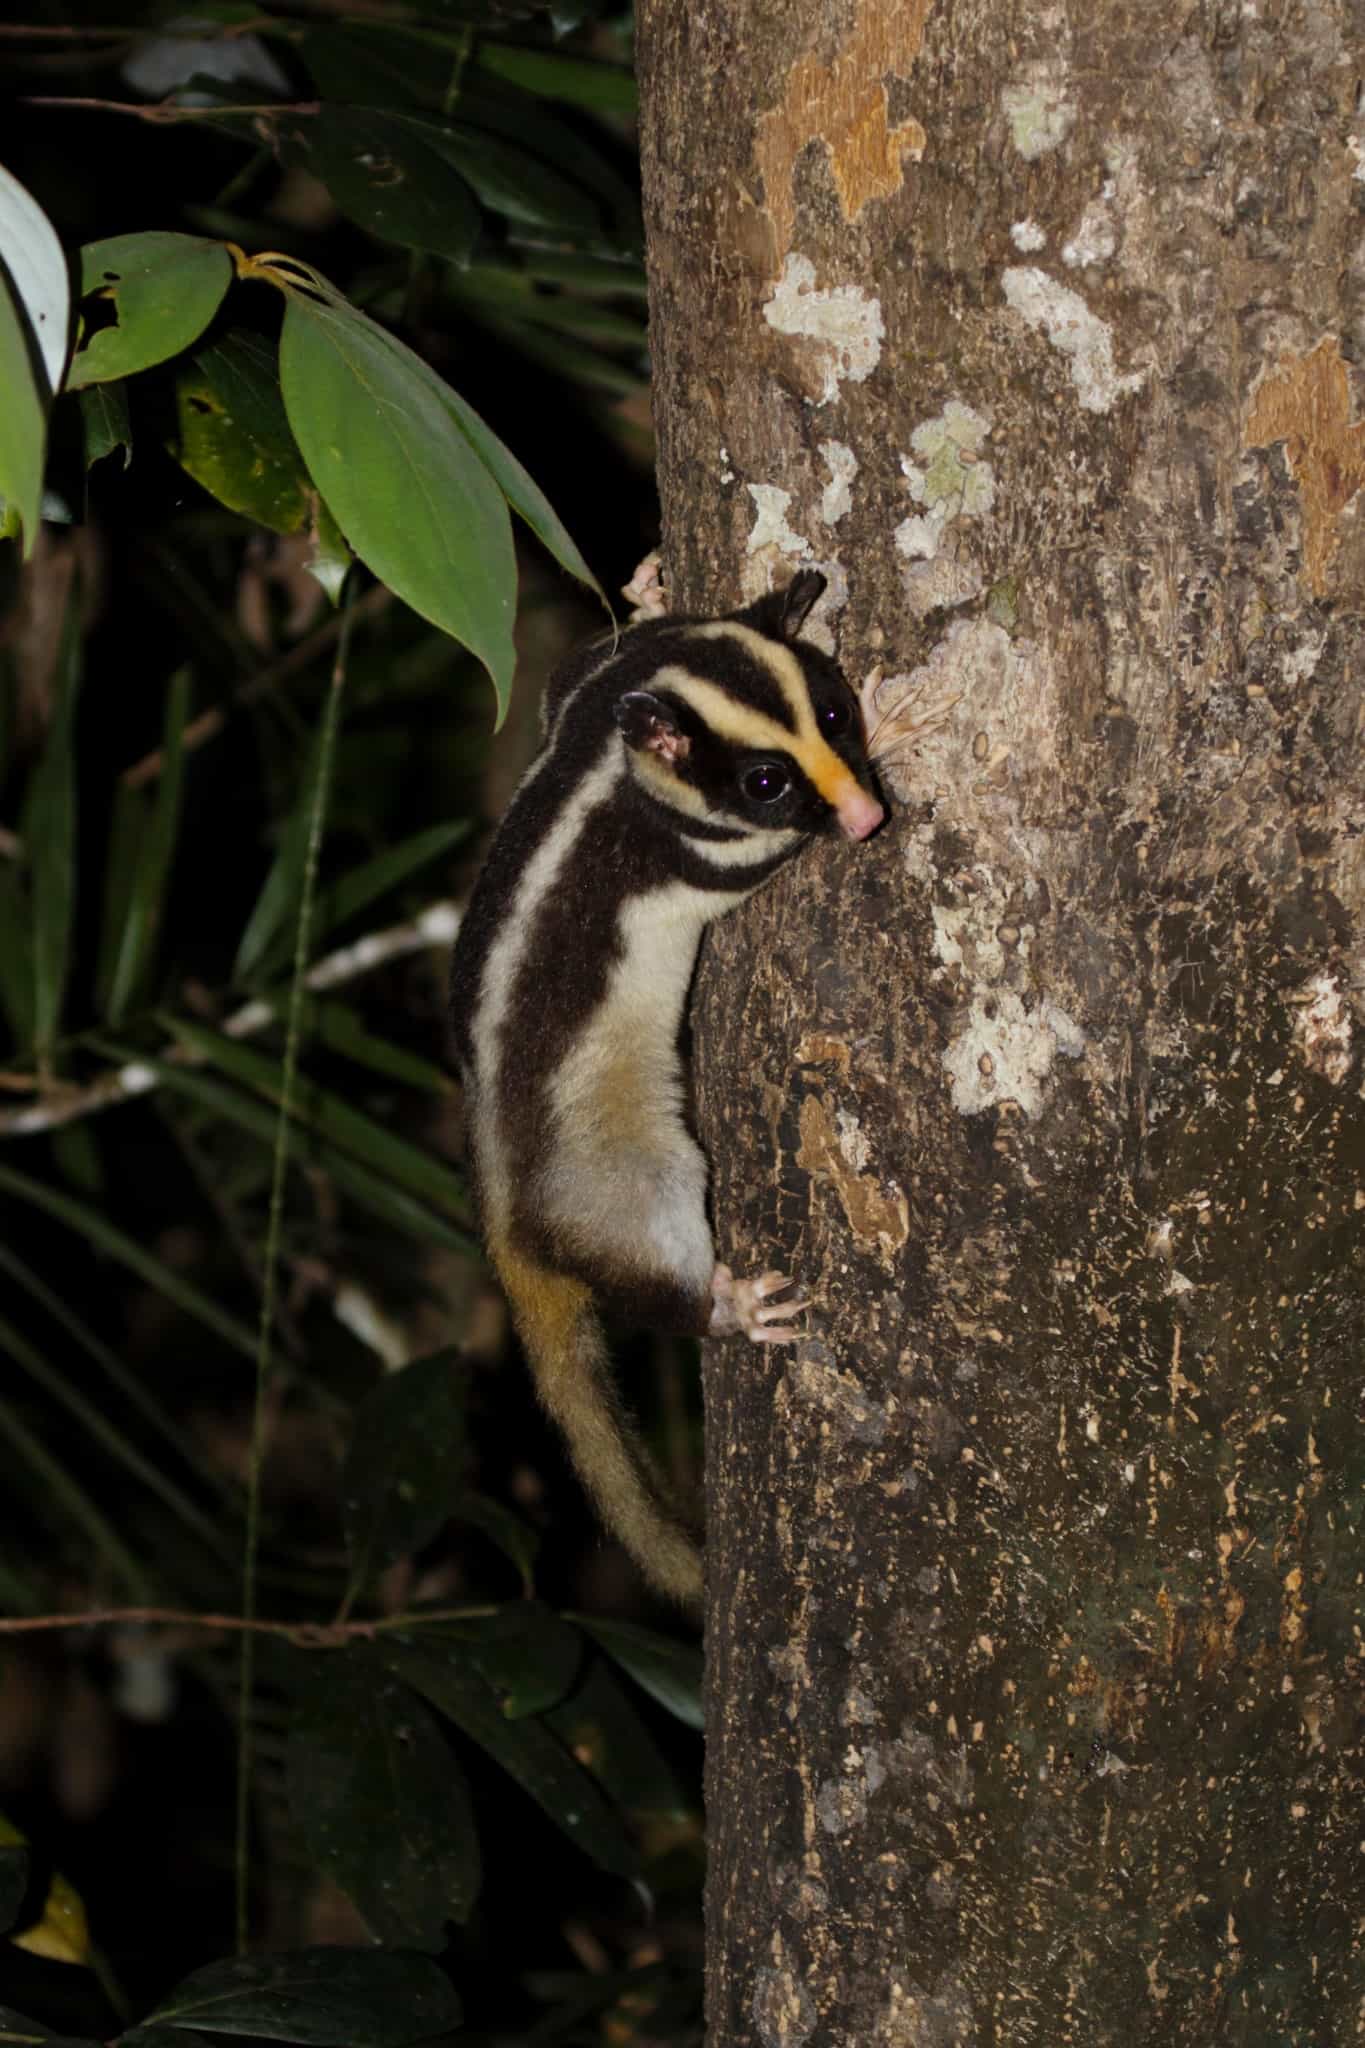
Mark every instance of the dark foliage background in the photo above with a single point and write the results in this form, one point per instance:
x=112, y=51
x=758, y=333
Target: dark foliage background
x=482, y=1825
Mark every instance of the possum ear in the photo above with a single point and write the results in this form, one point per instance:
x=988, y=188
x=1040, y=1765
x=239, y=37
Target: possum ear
x=650, y=726
x=782, y=613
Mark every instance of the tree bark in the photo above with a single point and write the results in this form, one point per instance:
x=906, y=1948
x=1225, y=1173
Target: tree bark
x=1034, y=1649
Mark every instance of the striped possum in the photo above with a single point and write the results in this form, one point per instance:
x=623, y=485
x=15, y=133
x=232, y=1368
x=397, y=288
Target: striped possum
x=681, y=765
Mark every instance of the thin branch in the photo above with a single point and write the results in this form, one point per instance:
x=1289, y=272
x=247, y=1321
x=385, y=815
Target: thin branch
x=210, y=722
x=310, y=1635
x=432, y=927
x=163, y=112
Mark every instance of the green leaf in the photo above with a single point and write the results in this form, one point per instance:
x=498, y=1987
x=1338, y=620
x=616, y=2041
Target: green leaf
x=331, y=559
x=670, y=1672
x=91, y=1223
x=336, y=1025
x=528, y=1656
x=64, y=1498
x=399, y=476
x=382, y=170
x=146, y=896
x=407, y=1214
x=527, y=1750
x=602, y=88
x=509, y=180
x=23, y=422
x=283, y=886
x=407, y=1459
x=127, y=825
x=16, y=2026
x=379, y=1148
x=382, y=1803
x=232, y=435
x=13, y=1885
x=50, y=835
x=104, y=418
x=518, y=1543
x=98, y=1427
x=604, y=275
x=163, y=290
x=16, y=957
x=328, y=1997
x=601, y=1724
x=374, y=878
x=113, y=1368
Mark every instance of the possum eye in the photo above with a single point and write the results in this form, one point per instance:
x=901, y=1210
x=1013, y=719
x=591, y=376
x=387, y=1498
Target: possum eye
x=835, y=717
x=765, y=782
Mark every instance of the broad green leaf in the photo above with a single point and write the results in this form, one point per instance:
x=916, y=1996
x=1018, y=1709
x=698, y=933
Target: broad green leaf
x=50, y=835
x=669, y=1671
x=16, y=957
x=600, y=1722
x=407, y=1461
x=232, y=435
x=13, y=1884
x=380, y=1149
x=331, y=559
x=283, y=886
x=526, y=1653
x=150, y=876
x=381, y=1197
x=527, y=1750
x=517, y=1541
x=98, y=1427
x=38, y=276
x=374, y=878
x=23, y=425
x=378, y=63
x=511, y=181
x=382, y=170
x=400, y=478
x=17, y=2027
x=603, y=88
x=326, y=1997
x=104, y=418
x=527, y=123
x=163, y=290
x=382, y=1803
x=92, y=1224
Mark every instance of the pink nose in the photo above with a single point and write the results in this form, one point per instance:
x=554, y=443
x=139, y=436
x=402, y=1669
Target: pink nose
x=859, y=814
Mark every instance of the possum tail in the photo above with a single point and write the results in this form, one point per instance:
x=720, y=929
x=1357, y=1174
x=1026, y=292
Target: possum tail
x=564, y=1342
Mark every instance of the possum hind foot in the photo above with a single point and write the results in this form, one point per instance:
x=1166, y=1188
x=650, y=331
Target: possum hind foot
x=748, y=1305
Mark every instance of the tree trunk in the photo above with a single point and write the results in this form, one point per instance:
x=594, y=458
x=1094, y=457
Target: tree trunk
x=1033, y=1631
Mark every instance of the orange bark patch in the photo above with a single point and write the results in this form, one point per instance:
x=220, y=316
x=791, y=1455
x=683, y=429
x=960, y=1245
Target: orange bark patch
x=1306, y=403
x=844, y=105
x=879, y=1221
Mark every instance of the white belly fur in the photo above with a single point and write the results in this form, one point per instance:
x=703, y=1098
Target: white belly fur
x=625, y=1177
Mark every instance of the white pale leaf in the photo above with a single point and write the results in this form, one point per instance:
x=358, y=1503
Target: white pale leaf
x=33, y=257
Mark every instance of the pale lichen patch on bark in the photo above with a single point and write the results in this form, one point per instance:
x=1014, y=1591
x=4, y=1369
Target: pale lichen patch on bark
x=1306, y=403
x=1323, y=1027
x=1075, y=332
x=837, y=497
x=841, y=327
x=770, y=528
x=1038, y=111
x=1006, y=1050
x=1028, y=237
x=843, y=105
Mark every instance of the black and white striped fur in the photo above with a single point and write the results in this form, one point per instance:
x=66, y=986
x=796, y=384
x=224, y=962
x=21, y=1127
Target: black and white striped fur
x=682, y=764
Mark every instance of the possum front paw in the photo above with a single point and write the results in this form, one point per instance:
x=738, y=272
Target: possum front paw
x=748, y=1305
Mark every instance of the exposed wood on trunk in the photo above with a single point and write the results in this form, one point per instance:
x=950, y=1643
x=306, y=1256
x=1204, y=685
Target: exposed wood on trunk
x=1034, y=1632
